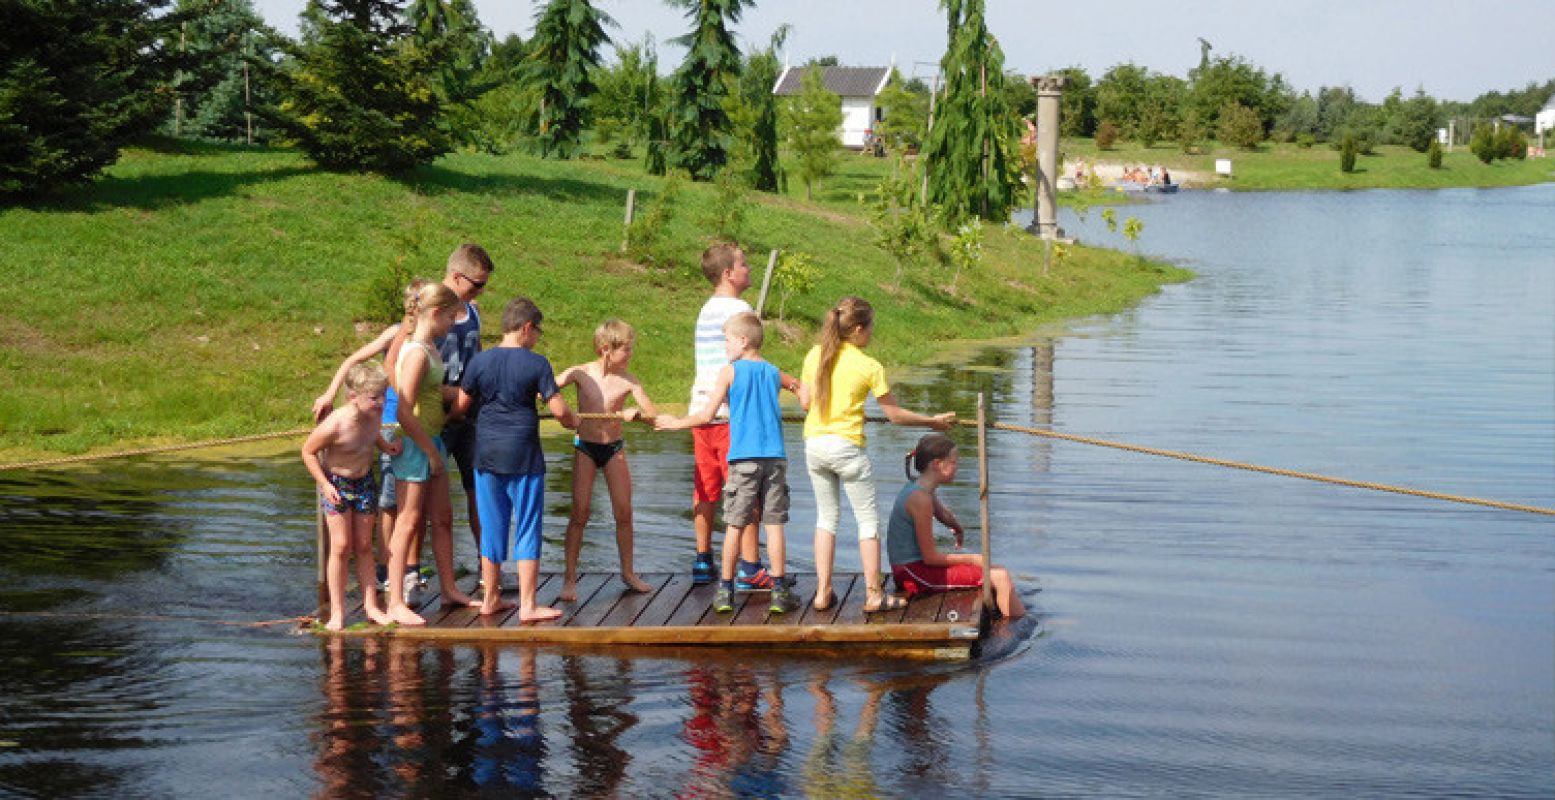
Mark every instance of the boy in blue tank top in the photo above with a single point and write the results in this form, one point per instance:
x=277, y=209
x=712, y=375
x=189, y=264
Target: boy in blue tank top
x=758, y=466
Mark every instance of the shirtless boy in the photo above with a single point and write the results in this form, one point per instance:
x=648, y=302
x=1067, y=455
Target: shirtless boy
x=339, y=454
x=603, y=386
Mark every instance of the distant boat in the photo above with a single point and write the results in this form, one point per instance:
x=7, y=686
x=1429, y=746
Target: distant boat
x=1150, y=188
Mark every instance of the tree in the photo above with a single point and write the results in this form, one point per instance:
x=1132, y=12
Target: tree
x=900, y=222
x=905, y=114
x=756, y=115
x=452, y=32
x=1231, y=79
x=972, y=148
x=1077, y=106
x=563, y=53
x=226, y=74
x=628, y=93
x=1348, y=147
x=1433, y=154
x=1239, y=126
x=77, y=82
x=1106, y=135
x=812, y=119
x=1118, y=96
x=1417, y=121
x=1483, y=144
x=699, y=123
x=1189, y=131
x=359, y=95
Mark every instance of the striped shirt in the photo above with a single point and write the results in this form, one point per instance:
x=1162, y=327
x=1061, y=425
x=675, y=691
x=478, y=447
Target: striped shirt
x=710, y=355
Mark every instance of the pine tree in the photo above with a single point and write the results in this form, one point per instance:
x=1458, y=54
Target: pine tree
x=563, y=54
x=699, y=124
x=452, y=33
x=971, y=150
x=359, y=96
x=225, y=75
x=757, y=114
x=78, y=81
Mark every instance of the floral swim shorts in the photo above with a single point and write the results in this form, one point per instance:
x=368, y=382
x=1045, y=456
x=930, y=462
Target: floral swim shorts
x=356, y=494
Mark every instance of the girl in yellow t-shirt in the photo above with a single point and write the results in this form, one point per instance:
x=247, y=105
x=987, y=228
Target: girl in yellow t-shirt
x=839, y=376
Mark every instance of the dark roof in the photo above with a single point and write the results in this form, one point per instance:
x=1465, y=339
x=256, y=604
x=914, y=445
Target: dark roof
x=843, y=81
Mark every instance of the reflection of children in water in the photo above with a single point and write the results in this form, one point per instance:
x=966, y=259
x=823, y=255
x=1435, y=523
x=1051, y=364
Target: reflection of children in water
x=740, y=751
x=851, y=775
x=509, y=747
x=597, y=709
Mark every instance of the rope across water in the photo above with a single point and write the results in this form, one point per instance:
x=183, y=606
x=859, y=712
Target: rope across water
x=1003, y=426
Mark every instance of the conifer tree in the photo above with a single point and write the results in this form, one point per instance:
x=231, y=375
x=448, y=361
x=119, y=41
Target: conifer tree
x=563, y=54
x=452, y=32
x=77, y=81
x=757, y=115
x=225, y=75
x=359, y=95
x=971, y=150
x=699, y=124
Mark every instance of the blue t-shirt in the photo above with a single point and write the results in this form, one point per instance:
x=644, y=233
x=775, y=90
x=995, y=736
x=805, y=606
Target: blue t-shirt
x=459, y=346
x=504, y=383
x=391, y=407
x=755, y=419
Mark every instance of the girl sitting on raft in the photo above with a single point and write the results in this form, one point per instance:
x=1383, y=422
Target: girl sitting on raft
x=917, y=565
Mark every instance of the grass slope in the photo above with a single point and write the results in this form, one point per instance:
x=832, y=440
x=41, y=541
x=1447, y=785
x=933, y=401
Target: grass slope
x=200, y=291
x=1286, y=166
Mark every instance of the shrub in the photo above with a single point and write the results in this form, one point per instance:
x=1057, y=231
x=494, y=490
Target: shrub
x=796, y=274
x=647, y=229
x=1240, y=126
x=1510, y=144
x=1190, y=131
x=1348, y=147
x=1483, y=145
x=1433, y=154
x=1106, y=135
x=1305, y=140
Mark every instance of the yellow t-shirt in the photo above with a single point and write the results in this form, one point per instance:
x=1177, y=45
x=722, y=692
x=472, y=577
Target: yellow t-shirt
x=854, y=378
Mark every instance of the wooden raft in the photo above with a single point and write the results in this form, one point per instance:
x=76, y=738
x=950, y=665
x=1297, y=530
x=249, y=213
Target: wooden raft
x=677, y=613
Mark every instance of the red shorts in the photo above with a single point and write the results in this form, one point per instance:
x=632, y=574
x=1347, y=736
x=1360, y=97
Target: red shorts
x=710, y=444
x=920, y=578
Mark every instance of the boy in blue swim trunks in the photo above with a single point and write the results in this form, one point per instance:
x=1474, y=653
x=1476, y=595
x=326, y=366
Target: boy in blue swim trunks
x=339, y=455
x=603, y=386
x=503, y=384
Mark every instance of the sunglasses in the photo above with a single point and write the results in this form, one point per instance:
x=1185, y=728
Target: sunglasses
x=473, y=282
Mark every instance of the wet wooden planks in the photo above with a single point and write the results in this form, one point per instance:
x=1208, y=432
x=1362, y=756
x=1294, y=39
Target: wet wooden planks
x=675, y=611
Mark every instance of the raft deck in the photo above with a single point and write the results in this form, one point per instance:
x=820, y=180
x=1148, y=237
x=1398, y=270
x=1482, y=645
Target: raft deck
x=678, y=613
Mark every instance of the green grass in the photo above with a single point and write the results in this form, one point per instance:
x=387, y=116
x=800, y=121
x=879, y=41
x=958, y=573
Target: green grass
x=200, y=291
x=1287, y=166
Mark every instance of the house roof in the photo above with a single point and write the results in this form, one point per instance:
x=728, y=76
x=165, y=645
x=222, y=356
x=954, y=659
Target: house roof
x=842, y=81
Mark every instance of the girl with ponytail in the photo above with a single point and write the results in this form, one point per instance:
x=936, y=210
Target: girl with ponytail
x=917, y=565
x=841, y=377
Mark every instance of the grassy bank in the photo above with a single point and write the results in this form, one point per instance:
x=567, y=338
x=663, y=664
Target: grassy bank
x=203, y=292
x=1287, y=166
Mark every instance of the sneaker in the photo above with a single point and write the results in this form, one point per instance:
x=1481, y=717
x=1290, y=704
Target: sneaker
x=723, y=600
x=759, y=581
x=783, y=600
x=701, y=572
x=412, y=584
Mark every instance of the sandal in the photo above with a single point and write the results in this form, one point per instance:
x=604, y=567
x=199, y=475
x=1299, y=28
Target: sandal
x=831, y=600
x=887, y=602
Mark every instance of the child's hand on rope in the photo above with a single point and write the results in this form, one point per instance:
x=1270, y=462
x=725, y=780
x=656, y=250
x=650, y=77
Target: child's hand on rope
x=943, y=422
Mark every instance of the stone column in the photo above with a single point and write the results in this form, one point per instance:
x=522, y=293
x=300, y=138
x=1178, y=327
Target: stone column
x=1049, y=89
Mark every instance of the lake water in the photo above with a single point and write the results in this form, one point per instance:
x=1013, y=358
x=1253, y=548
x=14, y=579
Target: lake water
x=1200, y=630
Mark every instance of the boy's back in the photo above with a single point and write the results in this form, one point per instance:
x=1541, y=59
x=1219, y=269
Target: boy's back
x=755, y=418
x=504, y=382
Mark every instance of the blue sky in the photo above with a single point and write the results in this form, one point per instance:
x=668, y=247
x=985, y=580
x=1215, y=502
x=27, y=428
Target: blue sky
x=1454, y=50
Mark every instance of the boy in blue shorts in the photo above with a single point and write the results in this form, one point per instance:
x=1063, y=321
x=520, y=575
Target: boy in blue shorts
x=502, y=384
x=757, y=487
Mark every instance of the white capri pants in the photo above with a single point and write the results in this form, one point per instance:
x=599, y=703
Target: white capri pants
x=834, y=462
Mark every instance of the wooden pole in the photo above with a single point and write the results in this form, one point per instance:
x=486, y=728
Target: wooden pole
x=923, y=193
x=766, y=282
x=322, y=534
x=631, y=210
x=982, y=499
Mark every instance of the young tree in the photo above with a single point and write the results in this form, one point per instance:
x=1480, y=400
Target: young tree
x=905, y=115
x=1239, y=126
x=1433, y=154
x=1119, y=94
x=358, y=94
x=699, y=123
x=972, y=149
x=78, y=81
x=756, y=114
x=563, y=53
x=812, y=119
x=1348, y=147
x=1189, y=131
x=901, y=223
x=1417, y=121
x=1077, y=107
x=226, y=74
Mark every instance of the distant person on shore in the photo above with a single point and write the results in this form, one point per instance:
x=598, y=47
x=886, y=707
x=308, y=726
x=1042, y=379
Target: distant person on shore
x=724, y=267
x=838, y=376
x=917, y=565
x=502, y=384
x=388, y=505
x=757, y=464
x=603, y=386
x=339, y=456
x=419, y=468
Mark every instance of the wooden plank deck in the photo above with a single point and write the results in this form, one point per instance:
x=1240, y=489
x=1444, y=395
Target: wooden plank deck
x=677, y=613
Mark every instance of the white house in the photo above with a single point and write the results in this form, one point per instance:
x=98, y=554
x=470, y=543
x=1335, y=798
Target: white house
x=857, y=86
x=1545, y=120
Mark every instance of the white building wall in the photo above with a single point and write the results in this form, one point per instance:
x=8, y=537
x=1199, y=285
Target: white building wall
x=857, y=117
x=1544, y=121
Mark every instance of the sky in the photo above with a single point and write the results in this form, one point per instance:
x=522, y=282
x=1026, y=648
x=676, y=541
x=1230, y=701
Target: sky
x=1454, y=50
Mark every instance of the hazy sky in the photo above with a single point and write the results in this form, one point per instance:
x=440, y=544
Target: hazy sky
x=1455, y=50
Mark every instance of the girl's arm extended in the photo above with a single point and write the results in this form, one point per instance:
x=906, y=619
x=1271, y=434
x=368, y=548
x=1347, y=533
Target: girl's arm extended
x=921, y=509
x=901, y=416
x=415, y=372
x=326, y=401
x=320, y=438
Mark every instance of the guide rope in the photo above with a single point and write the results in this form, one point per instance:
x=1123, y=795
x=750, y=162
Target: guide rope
x=1003, y=426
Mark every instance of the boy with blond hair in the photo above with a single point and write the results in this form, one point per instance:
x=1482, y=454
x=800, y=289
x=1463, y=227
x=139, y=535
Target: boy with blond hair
x=603, y=386
x=757, y=486
x=339, y=455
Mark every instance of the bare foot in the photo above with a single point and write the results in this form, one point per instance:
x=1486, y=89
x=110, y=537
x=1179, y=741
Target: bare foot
x=404, y=616
x=635, y=583
x=568, y=593
x=539, y=614
x=378, y=617
x=458, y=599
x=336, y=622
x=498, y=605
